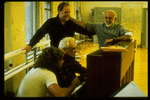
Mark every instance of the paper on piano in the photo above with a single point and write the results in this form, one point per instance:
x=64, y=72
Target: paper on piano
x=114, y=49
x=77, y=88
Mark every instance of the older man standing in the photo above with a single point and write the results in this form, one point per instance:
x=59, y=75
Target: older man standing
x=109, y=31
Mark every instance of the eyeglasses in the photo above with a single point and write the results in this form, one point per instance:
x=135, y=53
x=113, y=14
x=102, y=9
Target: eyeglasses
x=72, y=49
x=108, y=18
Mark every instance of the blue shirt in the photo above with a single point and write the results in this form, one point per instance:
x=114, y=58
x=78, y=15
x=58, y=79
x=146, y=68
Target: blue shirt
x=103, y=32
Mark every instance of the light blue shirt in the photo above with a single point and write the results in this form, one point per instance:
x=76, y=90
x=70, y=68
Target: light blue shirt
x=103, y=32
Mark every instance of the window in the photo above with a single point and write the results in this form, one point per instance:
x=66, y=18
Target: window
x=29, y=13
x=32, y=17
x=46, y=15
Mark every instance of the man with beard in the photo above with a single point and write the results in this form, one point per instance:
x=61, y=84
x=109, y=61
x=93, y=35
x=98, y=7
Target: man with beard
x=107, y=32
x=57, y=28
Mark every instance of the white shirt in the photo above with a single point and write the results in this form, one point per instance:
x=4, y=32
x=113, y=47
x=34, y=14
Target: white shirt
x=36, y=82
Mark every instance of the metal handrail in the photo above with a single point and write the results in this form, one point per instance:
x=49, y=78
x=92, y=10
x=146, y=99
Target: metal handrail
x=20, y=51
x=22, y=66
x=17, y=71
x=13, y=54
x=17, y=67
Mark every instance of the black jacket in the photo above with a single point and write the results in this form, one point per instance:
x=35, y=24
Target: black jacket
x=57, y=31
x=68, y=70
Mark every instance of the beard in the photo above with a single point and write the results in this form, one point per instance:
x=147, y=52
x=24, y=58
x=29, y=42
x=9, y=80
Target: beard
x=108, y=24
x=64, y=18
x=67, y=18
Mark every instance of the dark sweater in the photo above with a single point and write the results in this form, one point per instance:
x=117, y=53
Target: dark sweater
x=68, y=70
x=57, y=31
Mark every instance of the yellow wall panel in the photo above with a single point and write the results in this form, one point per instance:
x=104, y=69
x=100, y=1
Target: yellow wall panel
x=15, y=36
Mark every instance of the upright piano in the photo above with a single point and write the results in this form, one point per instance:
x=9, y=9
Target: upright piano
x=108, y=70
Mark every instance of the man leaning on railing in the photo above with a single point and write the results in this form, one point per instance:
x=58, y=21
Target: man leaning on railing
x=57, y=28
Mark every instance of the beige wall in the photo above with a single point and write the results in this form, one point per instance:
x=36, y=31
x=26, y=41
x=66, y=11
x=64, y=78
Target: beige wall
x=86, y=7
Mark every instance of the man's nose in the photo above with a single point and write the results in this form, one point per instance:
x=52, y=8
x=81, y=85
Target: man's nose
x=68, y=14
x=107, y=19
x=75, y=50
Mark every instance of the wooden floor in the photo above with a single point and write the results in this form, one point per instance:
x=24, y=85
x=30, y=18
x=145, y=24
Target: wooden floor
x=140, y=67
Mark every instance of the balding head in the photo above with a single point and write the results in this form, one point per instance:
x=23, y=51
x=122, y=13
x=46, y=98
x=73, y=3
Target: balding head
x=110, y=18
x=112, y=13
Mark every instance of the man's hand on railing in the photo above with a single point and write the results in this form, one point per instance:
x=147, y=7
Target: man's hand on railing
x=27, y=48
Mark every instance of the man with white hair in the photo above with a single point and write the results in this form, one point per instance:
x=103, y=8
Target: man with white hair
x=70, y=65
x=107, y=32
x=68, y=45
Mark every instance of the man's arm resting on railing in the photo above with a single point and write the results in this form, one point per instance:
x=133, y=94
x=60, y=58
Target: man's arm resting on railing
x=121, y=38
x=57, y=91
x=35, y=39
x=27, y=48
x=40, y=33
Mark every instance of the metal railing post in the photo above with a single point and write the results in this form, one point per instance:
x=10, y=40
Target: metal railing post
x=34, y=54
x=26, y=61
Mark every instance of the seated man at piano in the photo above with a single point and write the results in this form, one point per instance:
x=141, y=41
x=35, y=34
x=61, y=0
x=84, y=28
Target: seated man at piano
x=41, y=80
x=107, y=32
x=70, y=65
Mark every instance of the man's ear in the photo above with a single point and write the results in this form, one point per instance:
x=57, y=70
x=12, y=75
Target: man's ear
x=59, y=12
x=115, y=18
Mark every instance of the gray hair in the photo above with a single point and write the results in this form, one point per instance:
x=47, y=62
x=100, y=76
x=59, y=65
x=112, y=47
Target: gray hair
x=65, y=42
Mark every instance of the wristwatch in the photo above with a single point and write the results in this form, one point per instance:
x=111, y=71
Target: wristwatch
x=114, y=39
